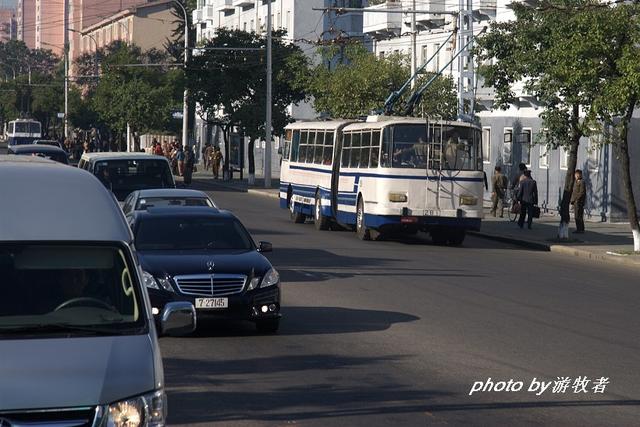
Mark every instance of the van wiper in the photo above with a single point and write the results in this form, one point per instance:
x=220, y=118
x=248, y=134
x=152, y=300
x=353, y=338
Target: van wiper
x=61, y=328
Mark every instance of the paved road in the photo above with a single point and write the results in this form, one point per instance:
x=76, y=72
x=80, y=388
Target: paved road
x=396, y=333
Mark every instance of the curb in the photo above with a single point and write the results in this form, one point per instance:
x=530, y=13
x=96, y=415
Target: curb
x=264, y=193
x=559, y=249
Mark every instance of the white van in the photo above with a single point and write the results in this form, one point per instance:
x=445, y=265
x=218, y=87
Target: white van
x=124, y=173
x=78, y=343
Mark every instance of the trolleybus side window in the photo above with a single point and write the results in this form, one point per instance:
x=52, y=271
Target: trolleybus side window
x=295, y=146
x=375, y=149
x=303, y=146
x=328, y=148
x=287, y=144
x=346, y=149
x=366, y=150
x=386, y=147
x=318, y=150
x=355, y=149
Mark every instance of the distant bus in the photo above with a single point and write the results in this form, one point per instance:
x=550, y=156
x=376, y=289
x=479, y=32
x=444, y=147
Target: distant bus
x=22, y=131
x=386, y=175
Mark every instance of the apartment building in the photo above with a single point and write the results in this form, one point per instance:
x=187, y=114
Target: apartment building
x=8, y=28
x=26, y=22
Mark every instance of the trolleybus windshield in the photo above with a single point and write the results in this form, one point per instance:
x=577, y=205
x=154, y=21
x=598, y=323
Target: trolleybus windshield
x=446, y=147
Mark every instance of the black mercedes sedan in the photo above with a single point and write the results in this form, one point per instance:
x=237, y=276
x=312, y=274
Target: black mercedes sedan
x=205, y=256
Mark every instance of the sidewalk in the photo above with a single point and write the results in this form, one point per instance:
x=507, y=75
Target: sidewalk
x=203, y=180
x=602, y=241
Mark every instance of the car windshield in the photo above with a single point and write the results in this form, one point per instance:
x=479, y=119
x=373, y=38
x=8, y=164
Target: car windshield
x=47, y=288
x=195, y=233
x=149, y=202
x=125, y=176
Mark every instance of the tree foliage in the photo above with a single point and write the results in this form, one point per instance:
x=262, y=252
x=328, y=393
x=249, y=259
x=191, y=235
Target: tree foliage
x=363, y=83
x=140, y=96
x=552, y=51
x=230, y=85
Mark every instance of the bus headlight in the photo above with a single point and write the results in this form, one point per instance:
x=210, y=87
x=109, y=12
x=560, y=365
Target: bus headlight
x=398, y=197
x=468, y=200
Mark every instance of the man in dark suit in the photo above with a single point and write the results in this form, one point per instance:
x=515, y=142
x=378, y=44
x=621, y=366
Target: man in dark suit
x=528, y=197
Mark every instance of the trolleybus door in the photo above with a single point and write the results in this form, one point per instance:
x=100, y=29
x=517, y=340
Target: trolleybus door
x=335, y=173
x=434, y=165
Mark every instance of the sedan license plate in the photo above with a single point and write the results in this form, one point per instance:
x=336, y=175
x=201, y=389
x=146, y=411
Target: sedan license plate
x=212, y=303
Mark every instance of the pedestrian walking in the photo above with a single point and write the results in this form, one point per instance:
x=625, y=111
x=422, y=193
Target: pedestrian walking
x=217, y=160
x=516, y=180
x=189, y=164
x=527, y=195
x=207, y=156
x=180, y=160
x=578, y=197
x=499, y=184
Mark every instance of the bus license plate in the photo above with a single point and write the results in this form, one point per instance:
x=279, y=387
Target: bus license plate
x=212, y=303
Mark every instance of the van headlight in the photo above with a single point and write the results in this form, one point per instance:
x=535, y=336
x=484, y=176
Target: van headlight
x=271, y=278
x=153, y=283
x=468, y=200
x=146, y=410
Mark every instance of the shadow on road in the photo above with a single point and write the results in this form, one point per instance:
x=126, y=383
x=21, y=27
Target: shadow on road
x=310, y=321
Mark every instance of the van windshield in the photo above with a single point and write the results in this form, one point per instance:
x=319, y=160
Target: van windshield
x=127, y=175
x=67, y=290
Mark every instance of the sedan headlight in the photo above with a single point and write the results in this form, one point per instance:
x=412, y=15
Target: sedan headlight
x=146, y=410
x=153, y=283
x=271, y=278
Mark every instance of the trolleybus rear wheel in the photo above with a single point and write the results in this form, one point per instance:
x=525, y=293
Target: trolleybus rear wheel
x=320, y=221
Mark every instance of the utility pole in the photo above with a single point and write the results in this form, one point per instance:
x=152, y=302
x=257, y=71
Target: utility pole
x=414, y=42
x=267, y=144
x=66, y=69
x=466, y=72
x=185, y=97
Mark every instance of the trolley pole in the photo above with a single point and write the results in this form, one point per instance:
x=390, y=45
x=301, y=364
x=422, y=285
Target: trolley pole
x=267, y=143
x=414, y=42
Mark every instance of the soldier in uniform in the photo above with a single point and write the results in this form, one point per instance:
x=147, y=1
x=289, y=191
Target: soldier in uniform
x=578, y=197
x=499, y=184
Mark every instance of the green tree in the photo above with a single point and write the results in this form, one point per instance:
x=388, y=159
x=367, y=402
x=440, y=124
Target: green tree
x=550, y=50
x=230, y=85
x=618, y=94
x=140, y=96
x=363, y=83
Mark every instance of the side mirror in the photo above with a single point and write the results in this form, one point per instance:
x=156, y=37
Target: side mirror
x=178, y=318
x=265, y=247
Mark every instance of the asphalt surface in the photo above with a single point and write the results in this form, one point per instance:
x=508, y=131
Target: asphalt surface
x=397, y=332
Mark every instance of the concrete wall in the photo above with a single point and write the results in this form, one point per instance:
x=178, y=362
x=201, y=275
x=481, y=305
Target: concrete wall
x=152, y=26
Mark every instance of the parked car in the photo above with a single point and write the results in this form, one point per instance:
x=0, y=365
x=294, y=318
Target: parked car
x=206, y=257
x=78, y=342
x=46, y=151
x=123, y=173
x=166, y=197
x=51, y=142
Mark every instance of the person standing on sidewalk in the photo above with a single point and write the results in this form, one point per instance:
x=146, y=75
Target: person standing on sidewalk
x=217, y=160
x=499, y=184
x=578, y=197
x=189, y=163
x=516, y=181
x=528, y=197
x=180, y=160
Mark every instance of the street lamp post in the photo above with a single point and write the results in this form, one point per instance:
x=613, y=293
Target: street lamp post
x=267, y=142
x=185, y=100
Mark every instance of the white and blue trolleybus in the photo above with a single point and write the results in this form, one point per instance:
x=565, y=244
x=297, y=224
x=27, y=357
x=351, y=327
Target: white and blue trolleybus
x=384, y=176
x=22, y=131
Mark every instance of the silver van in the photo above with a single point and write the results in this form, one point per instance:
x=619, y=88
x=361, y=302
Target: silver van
x=78, y=345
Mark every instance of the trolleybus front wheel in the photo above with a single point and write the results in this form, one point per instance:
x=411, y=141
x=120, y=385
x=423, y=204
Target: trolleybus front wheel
x=320, y=221
x=456, y=237
x=363, y=232
x=439, y=236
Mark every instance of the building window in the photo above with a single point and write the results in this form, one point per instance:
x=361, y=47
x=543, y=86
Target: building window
x=486, y=144
x=524, y=141
x=382, y=54
x=543, y=162
x=289, y=24
x=564, y=158
x=507, y=146
x=436, y=59
x=244, y=27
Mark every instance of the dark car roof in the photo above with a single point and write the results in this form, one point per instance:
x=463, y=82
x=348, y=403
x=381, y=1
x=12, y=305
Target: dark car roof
x=179, y=212
x=35, y=148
